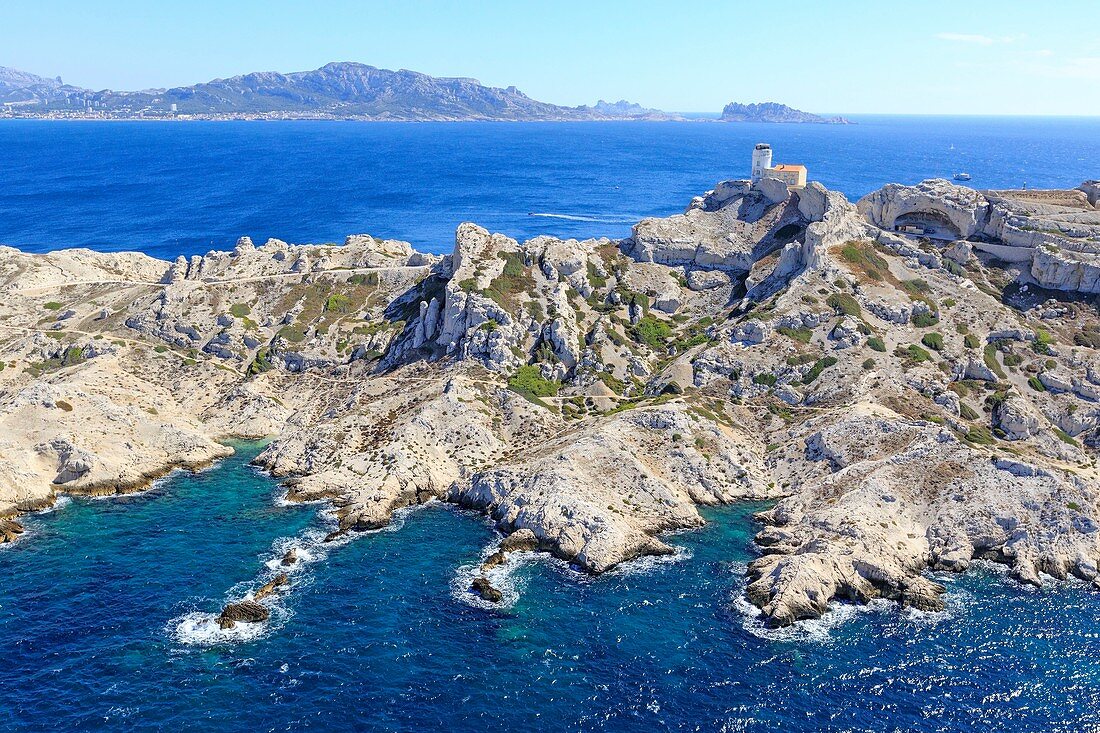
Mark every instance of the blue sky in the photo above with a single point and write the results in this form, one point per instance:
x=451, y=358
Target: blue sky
x=963, y=56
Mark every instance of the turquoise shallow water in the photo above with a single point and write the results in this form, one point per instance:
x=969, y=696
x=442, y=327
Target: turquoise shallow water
x=378, y=634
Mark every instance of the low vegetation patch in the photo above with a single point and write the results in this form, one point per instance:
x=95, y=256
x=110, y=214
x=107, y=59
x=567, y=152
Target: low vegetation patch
x=1088, y=337
x=865, y=260
x=913, y=354
x=819, y=366
x=925, y=320
x=802, y=334
x=650, y=331
x=529, y=382
x=989, y=355
x=933, y=341
x=843, y=303
x=766, y=379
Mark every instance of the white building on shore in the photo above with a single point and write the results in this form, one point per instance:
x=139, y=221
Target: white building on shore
x=794, y=175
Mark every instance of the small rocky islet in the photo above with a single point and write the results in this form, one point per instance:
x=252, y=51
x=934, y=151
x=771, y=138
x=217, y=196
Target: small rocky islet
x=913, y=379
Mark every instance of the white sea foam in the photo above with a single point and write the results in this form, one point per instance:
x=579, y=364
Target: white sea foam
x=502, y=577
x=202, y=629
x=61, y=502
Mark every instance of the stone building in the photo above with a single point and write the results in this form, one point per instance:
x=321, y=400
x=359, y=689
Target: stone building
x=792, y=174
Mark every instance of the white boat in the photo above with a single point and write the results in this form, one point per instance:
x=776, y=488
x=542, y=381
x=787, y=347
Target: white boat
x=962, y=176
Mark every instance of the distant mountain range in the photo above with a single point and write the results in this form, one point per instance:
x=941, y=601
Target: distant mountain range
x=774, y=112
x=335, y=91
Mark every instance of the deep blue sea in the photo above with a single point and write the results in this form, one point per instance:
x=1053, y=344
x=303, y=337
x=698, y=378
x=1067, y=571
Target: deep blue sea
x=186, y=188
x=98, y=602
x=103, y=603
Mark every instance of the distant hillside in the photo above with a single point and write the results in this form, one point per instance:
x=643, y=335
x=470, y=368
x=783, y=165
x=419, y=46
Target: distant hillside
x=774, y=112
x=19, y=87
x=341, y=90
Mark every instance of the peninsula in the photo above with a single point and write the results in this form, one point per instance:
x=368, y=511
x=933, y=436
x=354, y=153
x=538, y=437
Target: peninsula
x=913, y=379
x=341, y=90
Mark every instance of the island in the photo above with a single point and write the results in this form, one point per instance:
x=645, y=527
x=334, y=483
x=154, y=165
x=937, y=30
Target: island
x=911, y=381
x=775, y=113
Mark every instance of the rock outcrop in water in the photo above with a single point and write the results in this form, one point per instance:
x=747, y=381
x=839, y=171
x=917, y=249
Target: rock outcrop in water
x=914, y=381
x=248, y=612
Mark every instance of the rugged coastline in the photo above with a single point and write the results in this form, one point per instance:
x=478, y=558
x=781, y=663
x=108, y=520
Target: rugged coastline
x=913, y=378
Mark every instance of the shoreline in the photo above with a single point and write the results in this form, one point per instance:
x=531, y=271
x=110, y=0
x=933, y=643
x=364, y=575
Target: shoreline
x=596, y=395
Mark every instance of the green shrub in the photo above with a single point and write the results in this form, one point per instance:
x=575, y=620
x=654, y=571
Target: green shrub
x=979, y=435
x=337, y=303
x=971, y=341
x=843, y=303
x=595, y=279
x=513, y=263
x=1089, y=337
x=800, y=359
x=876, y=344
x=1066, y=438
x=160, y=348
x=802, y=335
x=239, y=310
x=967, y=412
x=261, y=363
x=925, y=320
x=1043, y=341
x=989, y=355
x=916, y=286
x=764, y=378
x=913, y=353
x=863, y=254
x=528, y=381
x=868, y=364
x=1012, y=360
x=933, y=341
x=819, y=366
x=53, y=305
x=650, y=331
x=954, y=268
x=1035, y=384
x=293, y=333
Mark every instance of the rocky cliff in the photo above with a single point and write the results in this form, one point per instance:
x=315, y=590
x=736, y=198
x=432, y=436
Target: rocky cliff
x=911, y=400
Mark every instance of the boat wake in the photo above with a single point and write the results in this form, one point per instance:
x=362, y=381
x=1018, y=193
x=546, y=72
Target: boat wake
x=622, y=219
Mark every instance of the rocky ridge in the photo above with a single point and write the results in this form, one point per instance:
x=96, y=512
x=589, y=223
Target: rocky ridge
x=910, y=379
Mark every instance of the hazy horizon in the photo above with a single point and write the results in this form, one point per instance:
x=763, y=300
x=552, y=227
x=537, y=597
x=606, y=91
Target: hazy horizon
x=854, y=57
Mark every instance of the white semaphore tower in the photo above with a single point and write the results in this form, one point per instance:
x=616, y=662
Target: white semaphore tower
x=761, y=160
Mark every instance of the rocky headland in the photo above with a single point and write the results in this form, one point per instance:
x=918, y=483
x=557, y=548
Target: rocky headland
x=775, y=113
x=913, y=379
